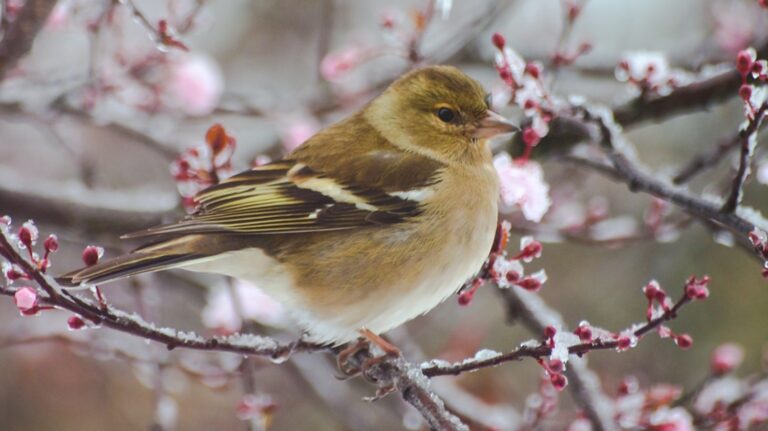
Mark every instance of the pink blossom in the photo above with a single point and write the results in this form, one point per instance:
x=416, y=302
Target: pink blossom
x=336, y=64
x=297, y=130
x=737, y=24
x=523, y=185
x=675, y=419
x=195, y=84
x=650, y=71
x=252, y=303
x=59, y=16
x=25, y=299
x=726, y=357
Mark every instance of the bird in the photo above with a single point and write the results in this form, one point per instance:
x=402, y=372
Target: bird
x=371, y=222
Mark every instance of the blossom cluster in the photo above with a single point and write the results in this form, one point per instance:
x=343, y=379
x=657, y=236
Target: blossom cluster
x=204, y=165
x=126, y=76
x=723, y=402
x=759, y=240
x=506, y=271
x=752, y=70
x=650, y=73
x=30, y=300
x=524, y=88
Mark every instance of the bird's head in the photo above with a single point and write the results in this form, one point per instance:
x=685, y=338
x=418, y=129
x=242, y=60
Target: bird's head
x=440, y=112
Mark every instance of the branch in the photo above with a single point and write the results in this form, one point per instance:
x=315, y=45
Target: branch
x=520, y=308
x=102, y=314
x=748, y=140
x=389, y=373
x=18, y=35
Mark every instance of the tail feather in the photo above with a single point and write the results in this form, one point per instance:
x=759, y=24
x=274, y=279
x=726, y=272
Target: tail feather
x=121, y=267
x=154, y=257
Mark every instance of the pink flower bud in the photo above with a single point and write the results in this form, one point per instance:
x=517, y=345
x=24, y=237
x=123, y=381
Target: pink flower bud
x=550, y=331
x=745, y=91
x=92, y=254
x=51, y=244
x=556, y=366
x=529, y=250
x=530, y=137
x=498, y=40
x=629, y=385
x=624, y=342
x=559, y=381
x=744, y=61
x=12, y=272
x=530, y=283
x=584, y=332
x=684, y=341
x=726, y=358
x=26, y=300
x=652, y=289
x=75, y=322
x=28, y=234
x=697, y=288
x=533, y=69
x=466, y=295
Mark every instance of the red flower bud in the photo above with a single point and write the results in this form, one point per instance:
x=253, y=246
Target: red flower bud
x=745, y=91
x=549, y=331
x=559, y=381
x=684, y=341
x=498, y=40
x=92, y=254
x=744, y=61
x=75, y=322
x=556, y=366
x=51, y=244
x=533, y=69
x=530, y=283
x=28, y=234
x=530, y=137
x=584, y=332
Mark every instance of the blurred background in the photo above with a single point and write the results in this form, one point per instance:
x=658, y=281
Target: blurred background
x=92, y=118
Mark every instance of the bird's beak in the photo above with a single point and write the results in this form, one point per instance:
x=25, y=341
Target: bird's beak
x=493, y=124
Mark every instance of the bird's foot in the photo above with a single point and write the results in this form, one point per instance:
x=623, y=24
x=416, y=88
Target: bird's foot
x=357, y=358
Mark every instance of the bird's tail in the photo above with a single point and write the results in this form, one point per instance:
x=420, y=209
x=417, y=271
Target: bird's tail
x=153, y=257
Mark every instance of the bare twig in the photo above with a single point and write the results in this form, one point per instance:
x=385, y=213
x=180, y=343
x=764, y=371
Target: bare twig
x=748, y=140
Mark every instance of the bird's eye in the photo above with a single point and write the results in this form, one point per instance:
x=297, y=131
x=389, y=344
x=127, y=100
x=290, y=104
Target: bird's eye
x=446, y=115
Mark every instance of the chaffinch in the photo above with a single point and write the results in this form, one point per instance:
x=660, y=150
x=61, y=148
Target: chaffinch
x=371, y=222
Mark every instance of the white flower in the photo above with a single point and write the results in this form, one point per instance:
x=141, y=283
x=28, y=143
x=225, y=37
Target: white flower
x=523, y=185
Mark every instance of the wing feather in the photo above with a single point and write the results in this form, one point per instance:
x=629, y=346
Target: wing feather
x=288, y=197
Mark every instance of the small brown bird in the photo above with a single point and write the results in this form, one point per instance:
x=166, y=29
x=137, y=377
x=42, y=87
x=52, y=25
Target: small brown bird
x=370, y=223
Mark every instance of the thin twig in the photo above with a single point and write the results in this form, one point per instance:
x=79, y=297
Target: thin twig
x=748, y=140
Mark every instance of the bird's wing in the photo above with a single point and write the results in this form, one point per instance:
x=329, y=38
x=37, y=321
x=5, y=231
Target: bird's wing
x=289, y=196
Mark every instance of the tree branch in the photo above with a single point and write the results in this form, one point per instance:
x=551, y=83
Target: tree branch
x=748, y=140
x=18, y=35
